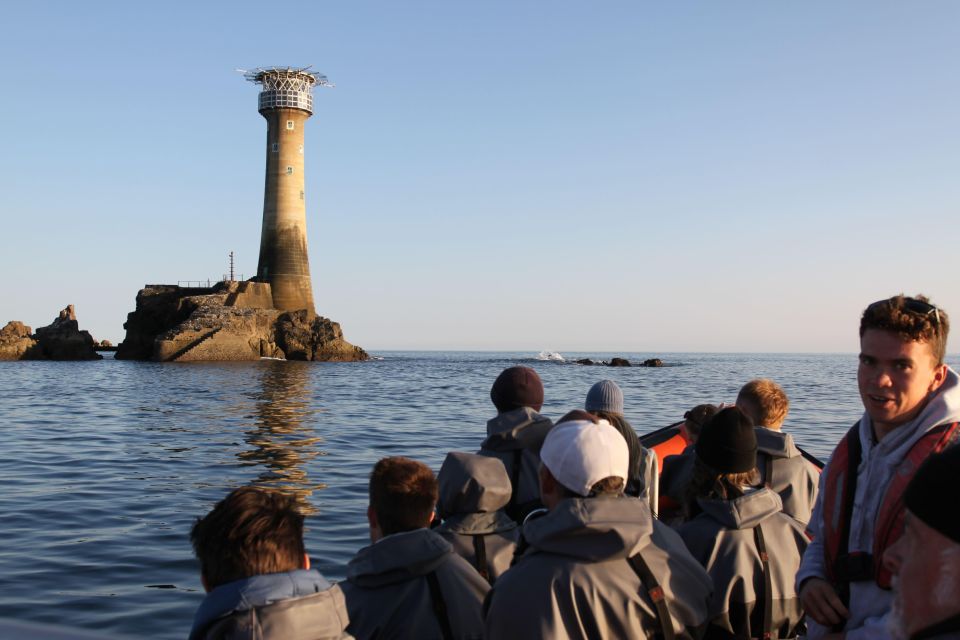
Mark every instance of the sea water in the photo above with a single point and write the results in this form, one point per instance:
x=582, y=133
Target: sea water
x=107, y=464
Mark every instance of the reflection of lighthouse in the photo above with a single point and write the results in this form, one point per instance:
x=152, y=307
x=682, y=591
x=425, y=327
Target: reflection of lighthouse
x=283, y=440
x=286, y=102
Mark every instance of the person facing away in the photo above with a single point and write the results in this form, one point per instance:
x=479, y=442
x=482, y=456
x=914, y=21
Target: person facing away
x=514, y=436
x=925, y=561
x=473, y=491
x=781, y=465
x=605, y=400
x=409, y=583
x=595, y=564
x=257, y=574
x=739, y=534
x=678, y=469
x=911, y=403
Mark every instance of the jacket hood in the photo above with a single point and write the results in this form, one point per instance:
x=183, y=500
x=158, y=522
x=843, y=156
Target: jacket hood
x=471, y=483
x=592, y=529
x=744, y=512
x=398, y=557
x=472, y=524
x=776, y=443
x=521, y=428
x=262, y=590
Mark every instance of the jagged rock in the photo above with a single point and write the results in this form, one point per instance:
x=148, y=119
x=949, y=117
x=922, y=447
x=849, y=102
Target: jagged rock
x=619, y=362
x=231, y=321
x=16, y=342
x=586, y=361
x=60, y=340
x=106, y=343
x=302, y=337
x=63, y=340
x=652, y=362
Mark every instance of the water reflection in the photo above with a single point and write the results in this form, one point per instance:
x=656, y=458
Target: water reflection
x=283, y=439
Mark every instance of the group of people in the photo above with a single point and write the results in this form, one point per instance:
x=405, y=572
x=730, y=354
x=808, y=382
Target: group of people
x=573, y=529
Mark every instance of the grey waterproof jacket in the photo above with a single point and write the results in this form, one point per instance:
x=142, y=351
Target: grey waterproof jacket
x=296, y=605
x=473, y=491
x=723, y=537
x=412, y=585
x=784, y=469
x=575, y=580
x=515, y=438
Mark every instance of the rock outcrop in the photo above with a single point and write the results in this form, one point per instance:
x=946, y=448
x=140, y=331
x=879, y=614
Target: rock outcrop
x=619, y=362
x=301, y=337
x=17, y=342
x=652, y=362
x=230, y=321
x=60, y=340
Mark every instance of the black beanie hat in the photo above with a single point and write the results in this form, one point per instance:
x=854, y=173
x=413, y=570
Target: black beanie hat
x=517, y=387
x=925, y=496
x=728, y=442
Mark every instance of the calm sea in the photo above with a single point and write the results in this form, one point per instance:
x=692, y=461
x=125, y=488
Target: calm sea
x=106, y=464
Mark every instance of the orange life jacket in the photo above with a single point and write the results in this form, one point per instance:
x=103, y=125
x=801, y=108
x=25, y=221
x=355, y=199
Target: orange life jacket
x=844, y=567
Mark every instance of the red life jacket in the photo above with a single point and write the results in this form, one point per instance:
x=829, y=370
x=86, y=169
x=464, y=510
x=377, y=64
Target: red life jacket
x=838, y=494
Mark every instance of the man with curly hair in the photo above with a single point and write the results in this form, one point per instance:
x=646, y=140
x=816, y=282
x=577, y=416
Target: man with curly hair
x=911, y=403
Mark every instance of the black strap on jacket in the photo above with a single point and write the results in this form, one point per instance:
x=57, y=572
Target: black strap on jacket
x=515, y=475
x=768, y=480
x=850, y=567
x=480, y=552
x=655, y=591
x=765, y=624
x=439, y=606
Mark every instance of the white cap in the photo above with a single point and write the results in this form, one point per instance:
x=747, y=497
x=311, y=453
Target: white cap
x=580, y=453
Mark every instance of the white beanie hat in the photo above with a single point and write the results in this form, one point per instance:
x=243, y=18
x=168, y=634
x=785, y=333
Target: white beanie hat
x=580, y=453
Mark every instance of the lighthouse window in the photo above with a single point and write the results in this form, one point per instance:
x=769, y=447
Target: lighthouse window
x=289, y=125
x=301, y=195
x=275, y=147
x=289, y=171
x=301, y=149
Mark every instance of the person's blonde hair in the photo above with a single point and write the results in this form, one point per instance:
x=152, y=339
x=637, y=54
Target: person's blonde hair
x=765, y=402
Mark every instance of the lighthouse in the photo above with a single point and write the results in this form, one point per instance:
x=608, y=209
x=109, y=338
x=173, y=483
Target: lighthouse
x=285, y=101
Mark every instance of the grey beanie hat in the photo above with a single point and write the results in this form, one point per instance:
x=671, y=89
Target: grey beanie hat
x=605, y=396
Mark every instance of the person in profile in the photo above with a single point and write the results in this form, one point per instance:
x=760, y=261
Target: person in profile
x=739, y=534
x=925, y=561
x=605, y=400
x=515, y=435
x=595, y=564
x=678, y=469
x=911, y=401
x=257, y=574
x=473, y=492
x=781, y=465
x=409, y=583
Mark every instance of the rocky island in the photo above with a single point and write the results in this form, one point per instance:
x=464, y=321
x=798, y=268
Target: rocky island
x=228, y=321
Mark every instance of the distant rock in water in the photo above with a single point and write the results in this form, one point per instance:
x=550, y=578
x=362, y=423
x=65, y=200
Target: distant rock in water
x=619, y=362
x=586, y=361
x=60, y=340
x=229, y=321
x=652, y=362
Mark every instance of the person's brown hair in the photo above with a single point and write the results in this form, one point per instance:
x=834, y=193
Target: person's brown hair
x=913, y=319
x=706, y=482
x=403, y=493
x=609, y=486
x=765, y=402
x=251, y=532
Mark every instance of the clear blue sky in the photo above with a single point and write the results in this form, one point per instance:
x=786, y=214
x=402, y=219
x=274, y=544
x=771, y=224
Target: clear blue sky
x=617, y=176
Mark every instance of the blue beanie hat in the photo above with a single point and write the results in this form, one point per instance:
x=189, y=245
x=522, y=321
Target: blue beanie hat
x=605, y=396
